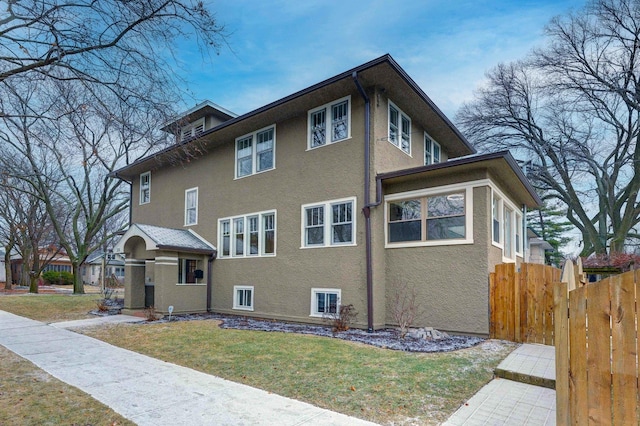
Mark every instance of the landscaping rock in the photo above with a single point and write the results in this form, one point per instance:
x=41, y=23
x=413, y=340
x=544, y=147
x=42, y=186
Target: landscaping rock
x=427, y=333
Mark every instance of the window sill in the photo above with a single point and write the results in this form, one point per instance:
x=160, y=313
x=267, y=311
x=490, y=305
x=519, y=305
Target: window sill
x=192, y=284
x=401, y=150
x=242, y=308
x=328, y=246
x=254, y=174
x=309, y=148
x=262, y=256
x=428, y=243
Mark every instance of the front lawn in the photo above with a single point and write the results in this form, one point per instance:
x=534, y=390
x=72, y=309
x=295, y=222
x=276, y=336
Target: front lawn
x=381, y=385
x=50, y=307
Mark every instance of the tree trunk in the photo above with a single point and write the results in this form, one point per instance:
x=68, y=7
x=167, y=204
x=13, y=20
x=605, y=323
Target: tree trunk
x=7, y=268
x=78, y=285
x=33, y=283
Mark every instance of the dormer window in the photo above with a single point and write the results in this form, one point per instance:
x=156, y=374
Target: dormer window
x=192, y=130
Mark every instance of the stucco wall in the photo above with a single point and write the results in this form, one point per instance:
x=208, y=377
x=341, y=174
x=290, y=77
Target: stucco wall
x=451, y=281
x=283, y=283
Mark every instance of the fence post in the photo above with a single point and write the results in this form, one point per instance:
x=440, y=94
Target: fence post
x=561, y=337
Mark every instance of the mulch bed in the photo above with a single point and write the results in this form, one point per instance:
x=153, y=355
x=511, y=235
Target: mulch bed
x=387, y=338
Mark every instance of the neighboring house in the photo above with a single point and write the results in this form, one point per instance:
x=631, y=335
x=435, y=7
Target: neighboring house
x=335, y=194
x=57, y=260
x=537, y=247
x=92, y=267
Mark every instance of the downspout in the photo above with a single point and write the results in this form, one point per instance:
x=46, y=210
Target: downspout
x=366, y=210
x=210, y=278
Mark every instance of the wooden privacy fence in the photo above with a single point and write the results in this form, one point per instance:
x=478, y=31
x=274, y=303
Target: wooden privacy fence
x=521, y=303
x=596, y=352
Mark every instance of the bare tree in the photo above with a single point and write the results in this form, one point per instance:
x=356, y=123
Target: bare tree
x=572, y=109
x=84, y=88
x=27, y=231
x=403, y=306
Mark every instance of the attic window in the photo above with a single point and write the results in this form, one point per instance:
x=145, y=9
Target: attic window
x=192, y=130
x=399, y=128
x=431, y=151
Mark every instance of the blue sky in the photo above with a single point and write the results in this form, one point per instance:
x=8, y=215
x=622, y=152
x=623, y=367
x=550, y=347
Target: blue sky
x=278, y=47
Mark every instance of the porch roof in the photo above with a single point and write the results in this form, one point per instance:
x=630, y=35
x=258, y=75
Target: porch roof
x=160, y=238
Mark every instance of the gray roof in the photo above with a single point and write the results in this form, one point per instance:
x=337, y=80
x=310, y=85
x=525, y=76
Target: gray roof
x=174, y=238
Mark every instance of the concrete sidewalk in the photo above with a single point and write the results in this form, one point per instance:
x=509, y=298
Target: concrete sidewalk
x=510, y=402
x=149, y=391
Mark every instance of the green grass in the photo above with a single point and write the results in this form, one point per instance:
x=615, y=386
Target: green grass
x=381, y=385
x=50, y=307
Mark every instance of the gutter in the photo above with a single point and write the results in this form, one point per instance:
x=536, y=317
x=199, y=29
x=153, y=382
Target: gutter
x=366, y=210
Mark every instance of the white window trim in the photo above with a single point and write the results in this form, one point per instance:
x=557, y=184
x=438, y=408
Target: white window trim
x=314, y=291
x=516, y=220
x=433, y=144
x=327, y=108
x=245, y=252
x=235, y=297
x=467, y=187
x=254, y=153
x=400, y=115
x=519, y=226
x=186, y=216
x=190, y=129
x=141, y=202
x=327, y=225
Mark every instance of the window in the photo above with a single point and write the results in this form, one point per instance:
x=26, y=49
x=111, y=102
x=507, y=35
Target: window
x=255, y=152
x=329, y=123
x=444, y=214
x=496, y=208
x=430, y=217
x=509, y=235
x=399, y=128
x=330, y=223
x=431, y=151
x=243, y=297
x=145, y=188
x=324, y=301
x=508, y=227
x=253, y=235
x=519, y=228
x=191, y=206
x=187, y=271
x=192, y=130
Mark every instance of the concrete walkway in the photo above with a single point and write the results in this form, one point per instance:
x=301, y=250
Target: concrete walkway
x=506, y=400
x=149, y=391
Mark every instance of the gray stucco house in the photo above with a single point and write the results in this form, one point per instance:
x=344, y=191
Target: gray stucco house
x=334, y=194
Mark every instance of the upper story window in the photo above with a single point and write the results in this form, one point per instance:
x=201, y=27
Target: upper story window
x=248, y=235
x=330, y=123
x=145, y=188
x=399, y=128
x=431, y=151
x=255, y=152
x=192, y=130
x=331, y=223
x=191, y=206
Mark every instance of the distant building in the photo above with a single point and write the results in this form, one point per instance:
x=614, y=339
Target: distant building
x=91, y=269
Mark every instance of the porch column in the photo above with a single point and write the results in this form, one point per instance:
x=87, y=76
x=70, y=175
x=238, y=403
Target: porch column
x=134, y=283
